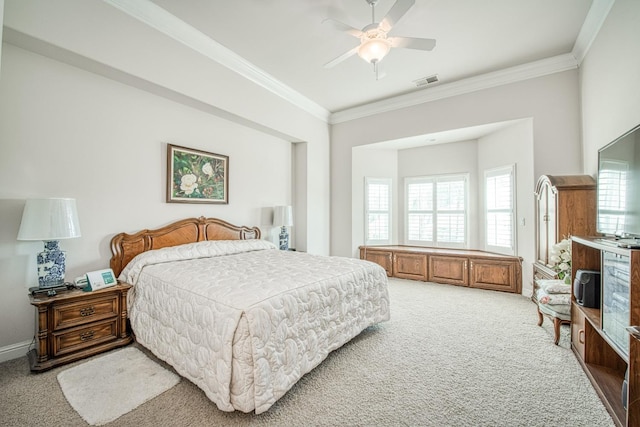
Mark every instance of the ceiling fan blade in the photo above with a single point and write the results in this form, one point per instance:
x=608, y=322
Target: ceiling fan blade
x=396, y=12
x=413, y=43
x=341, y=58
x=341, y=26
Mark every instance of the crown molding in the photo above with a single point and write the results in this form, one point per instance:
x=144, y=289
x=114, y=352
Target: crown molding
x=590, y=28
x=593, y=22
x=519, y=73
x=156, y=17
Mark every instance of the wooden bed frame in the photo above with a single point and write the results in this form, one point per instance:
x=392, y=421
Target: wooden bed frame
x=125, y=247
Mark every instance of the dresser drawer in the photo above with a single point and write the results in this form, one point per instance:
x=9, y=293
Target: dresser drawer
x=85, y=311
x=382, y=258
x=449, y=269
x=410, y=266
x=499, y=275
x=75, y=339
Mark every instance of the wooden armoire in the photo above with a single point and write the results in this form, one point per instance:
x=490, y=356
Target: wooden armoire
x=565, y=206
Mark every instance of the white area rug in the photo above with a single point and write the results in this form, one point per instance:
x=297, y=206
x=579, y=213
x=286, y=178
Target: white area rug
x=108, y=387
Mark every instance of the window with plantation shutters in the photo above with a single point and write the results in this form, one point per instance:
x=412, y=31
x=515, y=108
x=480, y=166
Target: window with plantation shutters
x=377, y=211
x=612, y=196
x=499, y=186
x=436, y=210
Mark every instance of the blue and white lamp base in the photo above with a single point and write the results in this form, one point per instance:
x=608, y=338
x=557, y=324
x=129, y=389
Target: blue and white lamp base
x=51, y=265
x=284, y=239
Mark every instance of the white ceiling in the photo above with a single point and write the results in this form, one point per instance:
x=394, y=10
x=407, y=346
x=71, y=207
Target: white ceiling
x=453, y=135
x=287, y=40
x=282, y=46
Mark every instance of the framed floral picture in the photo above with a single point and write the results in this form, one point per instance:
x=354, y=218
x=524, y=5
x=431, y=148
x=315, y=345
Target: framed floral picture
x=195, y=176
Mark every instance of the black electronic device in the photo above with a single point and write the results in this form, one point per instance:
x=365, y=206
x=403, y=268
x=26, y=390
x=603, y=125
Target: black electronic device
x=586, y=288
x=618, y=207
x=52, y=290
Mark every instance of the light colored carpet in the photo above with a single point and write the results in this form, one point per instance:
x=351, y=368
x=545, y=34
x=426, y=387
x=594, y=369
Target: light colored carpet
x=107, y=387
x=449, y=356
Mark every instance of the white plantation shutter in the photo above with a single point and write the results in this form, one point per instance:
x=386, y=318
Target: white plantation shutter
x=612, y=196
x=420, y=210
x=436, y=210
x=451, y=212
x=500, y=209
x=377, y=210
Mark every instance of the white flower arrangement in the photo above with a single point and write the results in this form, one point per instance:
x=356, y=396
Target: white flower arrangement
x=560, y=259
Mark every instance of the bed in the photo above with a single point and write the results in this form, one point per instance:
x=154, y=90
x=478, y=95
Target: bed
x=239, y=318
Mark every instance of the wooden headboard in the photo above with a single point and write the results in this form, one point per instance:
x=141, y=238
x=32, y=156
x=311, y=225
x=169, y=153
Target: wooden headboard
x=125, y=247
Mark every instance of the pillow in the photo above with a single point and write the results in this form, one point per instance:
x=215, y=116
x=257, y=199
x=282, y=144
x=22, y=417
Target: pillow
x=554, y=286
x=553, y=299
x=204, y=249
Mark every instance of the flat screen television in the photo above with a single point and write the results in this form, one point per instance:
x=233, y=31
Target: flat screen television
x=618, y=200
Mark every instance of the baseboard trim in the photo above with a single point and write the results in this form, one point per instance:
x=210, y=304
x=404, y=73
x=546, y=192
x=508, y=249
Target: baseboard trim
x=14, y=351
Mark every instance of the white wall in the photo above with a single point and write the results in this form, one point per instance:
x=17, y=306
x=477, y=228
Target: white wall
x=609, y=81
x=514, y=145
x=69, y=133
x=110, y=138
x=1, y=27
x=81, y=32
x=300, y=188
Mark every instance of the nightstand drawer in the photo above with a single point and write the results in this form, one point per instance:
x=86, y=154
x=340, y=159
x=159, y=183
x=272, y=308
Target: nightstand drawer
x=85, y=311
x=78, y=338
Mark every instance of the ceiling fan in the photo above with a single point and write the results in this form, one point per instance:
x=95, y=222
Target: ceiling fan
x=375, y=41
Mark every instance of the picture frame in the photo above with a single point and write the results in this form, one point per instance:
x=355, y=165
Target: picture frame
x=196, y=176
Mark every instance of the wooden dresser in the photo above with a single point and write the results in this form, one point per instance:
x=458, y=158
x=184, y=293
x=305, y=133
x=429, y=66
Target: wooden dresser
x=75, y=324
x=475, y=269
x=565, y=206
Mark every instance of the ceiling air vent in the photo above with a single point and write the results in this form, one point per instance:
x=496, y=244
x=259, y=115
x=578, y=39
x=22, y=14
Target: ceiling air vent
x=426, y=80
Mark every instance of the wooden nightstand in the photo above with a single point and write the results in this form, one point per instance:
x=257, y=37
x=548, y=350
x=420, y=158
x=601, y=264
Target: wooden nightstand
x=75, y=324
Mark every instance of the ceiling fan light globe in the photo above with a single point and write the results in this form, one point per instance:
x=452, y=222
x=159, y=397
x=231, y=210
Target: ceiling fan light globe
x=374, y=50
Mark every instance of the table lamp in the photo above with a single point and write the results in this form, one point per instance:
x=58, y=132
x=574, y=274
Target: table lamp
x=50, y=220
x=283, y=217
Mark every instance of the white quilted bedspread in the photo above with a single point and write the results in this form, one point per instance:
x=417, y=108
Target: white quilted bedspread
x=245, y=321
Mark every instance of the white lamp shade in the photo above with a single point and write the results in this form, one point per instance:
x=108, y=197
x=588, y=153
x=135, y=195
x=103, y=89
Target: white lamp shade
x=49, y=219
x=283, y=216
x=374, y=50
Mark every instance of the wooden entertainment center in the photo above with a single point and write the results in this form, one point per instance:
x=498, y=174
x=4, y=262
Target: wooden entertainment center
x=602, y=346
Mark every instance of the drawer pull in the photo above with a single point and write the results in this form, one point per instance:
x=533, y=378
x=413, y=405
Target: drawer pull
x=88, y=311
x=86, y=336
x=581, y=336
